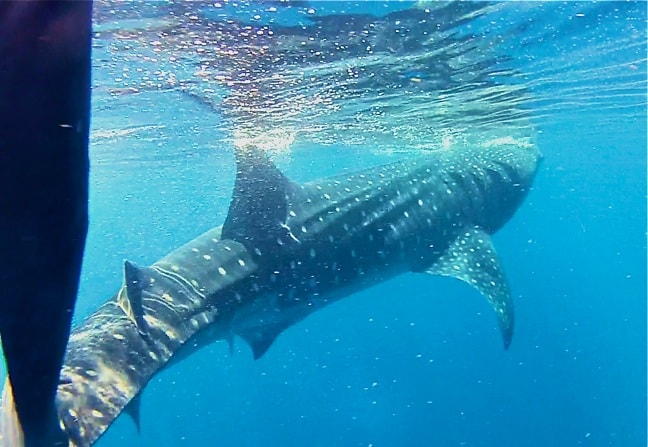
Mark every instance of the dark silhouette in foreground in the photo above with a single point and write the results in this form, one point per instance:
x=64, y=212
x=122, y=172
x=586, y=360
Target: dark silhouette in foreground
x=45, y=114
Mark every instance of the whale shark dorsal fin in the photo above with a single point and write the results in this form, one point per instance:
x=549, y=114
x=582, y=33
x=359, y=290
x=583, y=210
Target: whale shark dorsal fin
x=472, y=259
x=133, y=409
x=136, y=279
x=259, y=203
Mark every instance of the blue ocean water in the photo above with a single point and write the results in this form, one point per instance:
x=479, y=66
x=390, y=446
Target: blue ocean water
x=415, y=361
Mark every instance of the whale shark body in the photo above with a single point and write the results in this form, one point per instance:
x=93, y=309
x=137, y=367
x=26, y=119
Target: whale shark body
x=286, y=250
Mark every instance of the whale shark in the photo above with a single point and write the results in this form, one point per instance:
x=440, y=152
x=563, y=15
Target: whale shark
x=286, y=250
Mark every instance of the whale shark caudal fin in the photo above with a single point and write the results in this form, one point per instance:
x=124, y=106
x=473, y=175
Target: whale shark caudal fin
x=472, y=259
x=259, y=201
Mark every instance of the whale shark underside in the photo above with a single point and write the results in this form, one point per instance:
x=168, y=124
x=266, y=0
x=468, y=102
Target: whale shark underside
x=286, y=250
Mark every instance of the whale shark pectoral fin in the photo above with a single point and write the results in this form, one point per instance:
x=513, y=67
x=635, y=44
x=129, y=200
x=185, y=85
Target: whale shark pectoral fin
x=472, y=259
x=260, y=199
x=133, y=409
x=136, y=279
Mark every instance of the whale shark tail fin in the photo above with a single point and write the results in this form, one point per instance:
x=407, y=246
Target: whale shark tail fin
x=472, y=259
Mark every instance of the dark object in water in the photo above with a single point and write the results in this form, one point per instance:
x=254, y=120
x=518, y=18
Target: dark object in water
x=45, y=112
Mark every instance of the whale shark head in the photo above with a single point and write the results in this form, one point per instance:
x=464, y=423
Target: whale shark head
x=500, y=175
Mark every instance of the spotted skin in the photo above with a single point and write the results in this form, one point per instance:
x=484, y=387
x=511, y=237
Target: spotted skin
x=434, y=214
x=110, y=359
x=285, y=251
